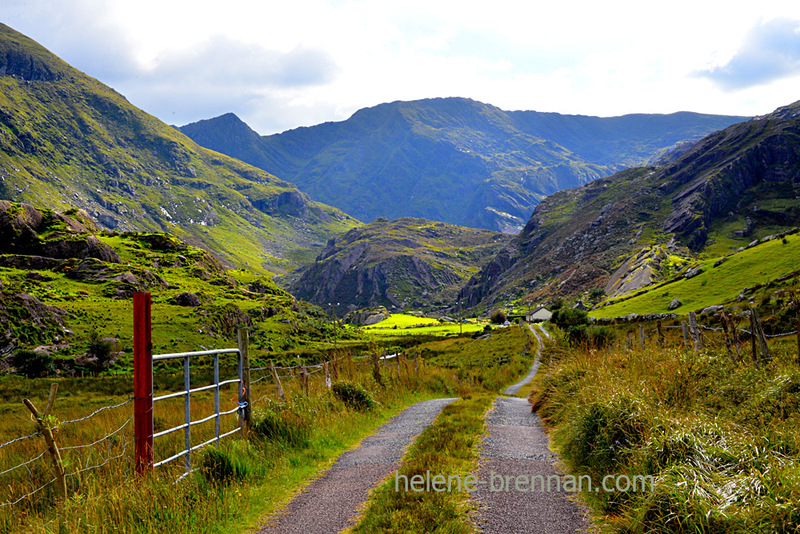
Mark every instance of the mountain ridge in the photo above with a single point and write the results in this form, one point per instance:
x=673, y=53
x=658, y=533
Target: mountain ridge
x=454, y=159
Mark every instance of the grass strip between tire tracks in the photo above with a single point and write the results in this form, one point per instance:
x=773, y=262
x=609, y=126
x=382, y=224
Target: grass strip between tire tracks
x=448, y=447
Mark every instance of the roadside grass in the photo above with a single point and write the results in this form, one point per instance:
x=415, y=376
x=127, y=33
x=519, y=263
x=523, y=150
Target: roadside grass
x=444, y=454
x=717, y=440
x=715, y=285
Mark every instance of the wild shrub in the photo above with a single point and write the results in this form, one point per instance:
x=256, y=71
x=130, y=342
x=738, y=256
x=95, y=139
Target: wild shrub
x=498, y=317
x=33, y=364
x=220, y=466
x=600, y=337
x=283, y=424
x=353, y=396
x=601, y=433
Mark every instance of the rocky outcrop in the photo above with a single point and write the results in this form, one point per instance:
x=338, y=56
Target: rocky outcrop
x=24, y=319
x=367, y=316
x=187, y=298
x=25, y=230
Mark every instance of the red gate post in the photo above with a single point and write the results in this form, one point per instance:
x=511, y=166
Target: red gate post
x=142, y=383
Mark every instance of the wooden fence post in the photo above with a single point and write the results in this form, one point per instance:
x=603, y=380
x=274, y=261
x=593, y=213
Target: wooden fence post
x=243, y=338
x=697, y=336
x=762, y=338
x=46, y=427
x=728, y=344
x=661, y=339
x=753, y=342
x=327, y=375
x=416, y=368
x=376, y=369
x=685, y=332
x=641, y=336
x=304, y=379
x=277, y=380
x=142, y=383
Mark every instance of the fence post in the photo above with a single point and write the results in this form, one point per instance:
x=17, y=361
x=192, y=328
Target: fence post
x=762, y=339
x=327, y=375
x=243, y=338
x=304, y=379
x=277, y=380
x=641, y=336
x=695, y=330
x=142, y=383
x=47, y=432
x=376, y=370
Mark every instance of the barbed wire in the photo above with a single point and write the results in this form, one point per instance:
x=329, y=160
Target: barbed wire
x=74, y=447
x=20, y=439
x=23, y=464
x=27, y=495
x=130, y=399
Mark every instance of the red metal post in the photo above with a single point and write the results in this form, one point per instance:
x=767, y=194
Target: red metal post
x=142, y=382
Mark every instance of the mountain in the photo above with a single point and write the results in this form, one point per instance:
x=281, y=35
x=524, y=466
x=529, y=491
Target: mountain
x=402, y=263
x=452, y=159
x=67, y=140
x=622, y=232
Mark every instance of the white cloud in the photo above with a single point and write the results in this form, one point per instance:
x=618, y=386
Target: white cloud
x=281, y=65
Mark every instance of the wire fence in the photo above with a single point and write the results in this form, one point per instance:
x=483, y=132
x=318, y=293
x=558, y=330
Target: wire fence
x=80, y=457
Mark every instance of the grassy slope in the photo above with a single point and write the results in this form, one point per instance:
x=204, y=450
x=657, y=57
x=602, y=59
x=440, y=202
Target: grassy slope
x=72, y=141
x=716, y=285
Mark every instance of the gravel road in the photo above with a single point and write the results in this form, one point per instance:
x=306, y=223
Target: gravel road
x=515, y=451
x=330, y=502
x=513, y=390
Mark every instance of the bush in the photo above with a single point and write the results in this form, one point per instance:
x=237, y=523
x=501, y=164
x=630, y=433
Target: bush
x=498, y=317
x=353, y=396
x=219, y=466
x=98, y=352
x=566, y=317
x=33, y=364
x=281, y=424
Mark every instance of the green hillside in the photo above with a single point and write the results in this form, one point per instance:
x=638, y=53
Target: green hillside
x=54, y=291
x=67, y=140
x=452, y=159
x=754, y=270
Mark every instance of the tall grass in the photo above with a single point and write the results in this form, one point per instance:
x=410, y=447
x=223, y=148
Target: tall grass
x=720, y=438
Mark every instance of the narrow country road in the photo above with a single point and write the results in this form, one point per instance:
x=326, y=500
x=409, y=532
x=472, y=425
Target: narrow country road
x=511, y=497
x=513, y=390
x=328, y=504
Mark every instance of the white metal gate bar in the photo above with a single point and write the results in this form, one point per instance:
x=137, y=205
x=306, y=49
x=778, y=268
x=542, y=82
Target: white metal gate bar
x=186, y=394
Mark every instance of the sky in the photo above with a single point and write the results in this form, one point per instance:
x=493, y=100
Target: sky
x=281, y=65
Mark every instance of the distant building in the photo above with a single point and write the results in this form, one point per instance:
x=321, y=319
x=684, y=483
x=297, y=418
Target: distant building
x=539, y=315
x=580, y=306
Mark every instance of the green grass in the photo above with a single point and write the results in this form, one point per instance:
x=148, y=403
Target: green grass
x=716, y=285
x=400, y=324
x=403, y=320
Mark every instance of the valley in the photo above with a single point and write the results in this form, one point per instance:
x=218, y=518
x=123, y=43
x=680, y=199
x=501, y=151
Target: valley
x=380, y=274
